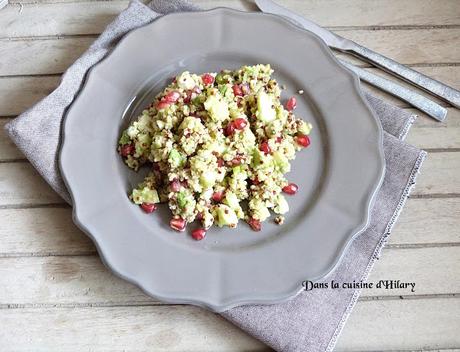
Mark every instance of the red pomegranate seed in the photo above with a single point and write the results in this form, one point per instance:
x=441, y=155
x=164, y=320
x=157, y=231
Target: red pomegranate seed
x=127, y=149
x=175, y=185
x=198, y=234
x=218, y=196
x=291, y=104
x=255, y=224
x=177, y=224
x=220, y=162
x=188, y=97
x=279, y=139
x=162, y=104
x=172, y=97
x=240, y=123
x=229, y=130
x=148, y=207
x=245, y=88
x=303, y=140
x=236, y=161
x=265, y=147
x=199, y=216
x=290, y=188
x=207, y=79
x=237, y=90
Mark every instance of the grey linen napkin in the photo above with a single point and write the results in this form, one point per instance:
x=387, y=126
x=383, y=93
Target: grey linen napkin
x=311, y=321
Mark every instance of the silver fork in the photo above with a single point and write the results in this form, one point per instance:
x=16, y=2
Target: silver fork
x=413, y=98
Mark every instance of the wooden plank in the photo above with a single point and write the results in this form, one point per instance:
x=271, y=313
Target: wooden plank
x=439, y=175
x=41, y=231
x=67, y=19
x=433, y=270
x=153, y=328
x=445, y=74
x=409, y=324
x=402, y=325
x=414, y=46
x=84, y=280
x=65, y=280
x=48, y=56
x=8, y=150
x=20, y=93
x=21, y=184
x=50, y=231
x=428, y=133
x=359, y=13
x=72, y=18
x=43, y=2
x=54, y=55
x=427, y=222
x=395, y=325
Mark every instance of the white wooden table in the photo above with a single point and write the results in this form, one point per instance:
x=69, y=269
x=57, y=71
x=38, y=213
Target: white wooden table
x=55, y=295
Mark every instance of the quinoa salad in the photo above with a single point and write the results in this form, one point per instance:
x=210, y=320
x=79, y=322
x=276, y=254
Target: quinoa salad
x=218, y=146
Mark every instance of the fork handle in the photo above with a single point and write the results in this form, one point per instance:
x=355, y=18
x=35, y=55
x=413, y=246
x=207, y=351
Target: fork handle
x=450, y=95
x=415, y=99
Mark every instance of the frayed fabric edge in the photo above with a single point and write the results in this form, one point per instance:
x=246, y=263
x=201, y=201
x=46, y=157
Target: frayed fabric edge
x=378, y=249
x=407, y=126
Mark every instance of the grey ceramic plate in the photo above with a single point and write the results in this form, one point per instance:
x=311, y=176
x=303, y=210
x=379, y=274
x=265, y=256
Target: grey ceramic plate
x=338, y=174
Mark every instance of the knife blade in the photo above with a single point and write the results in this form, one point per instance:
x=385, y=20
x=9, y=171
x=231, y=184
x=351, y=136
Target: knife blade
x=451, y=95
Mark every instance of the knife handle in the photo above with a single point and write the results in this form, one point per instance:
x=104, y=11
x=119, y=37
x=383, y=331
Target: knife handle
x=415, y=99
x=451, y=95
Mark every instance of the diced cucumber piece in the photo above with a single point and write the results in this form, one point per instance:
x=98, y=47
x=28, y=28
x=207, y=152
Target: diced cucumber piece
x=259, y=210
x=208, y=179
x=256, y=157
x=217, y=108
x=145, y=195
x=175, y=159
x=281, y=205
x=182, y=199
x=232, y=200
x=124, y=139
x=225, y=216
x=281, y=162
x=305, y=128
x=266, y=111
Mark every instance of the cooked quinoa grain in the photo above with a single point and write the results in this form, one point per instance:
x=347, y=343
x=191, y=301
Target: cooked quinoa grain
x=279, y=220
x=212, y=142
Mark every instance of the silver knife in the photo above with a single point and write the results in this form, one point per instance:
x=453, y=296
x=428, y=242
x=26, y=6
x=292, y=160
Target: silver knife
x=451, y=95
x=419, y=101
